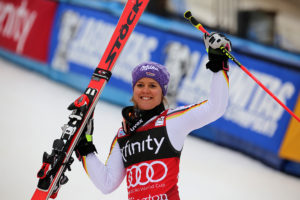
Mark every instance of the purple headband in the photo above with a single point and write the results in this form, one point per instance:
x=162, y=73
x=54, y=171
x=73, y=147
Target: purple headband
x=152, y=70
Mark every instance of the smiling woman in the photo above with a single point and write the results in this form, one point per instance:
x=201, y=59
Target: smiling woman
x=148, y=146
x=150, y=83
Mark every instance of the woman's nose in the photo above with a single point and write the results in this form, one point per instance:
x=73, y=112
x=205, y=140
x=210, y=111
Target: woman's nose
x=146, y=89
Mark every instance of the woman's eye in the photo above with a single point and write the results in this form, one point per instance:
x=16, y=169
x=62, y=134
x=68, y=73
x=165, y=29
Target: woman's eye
x=152, y=86
x=139, y=85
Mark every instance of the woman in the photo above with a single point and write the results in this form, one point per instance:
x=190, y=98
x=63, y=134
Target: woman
x=147, y=147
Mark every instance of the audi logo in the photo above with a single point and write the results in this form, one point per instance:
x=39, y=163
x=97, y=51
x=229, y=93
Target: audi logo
x=145, y=173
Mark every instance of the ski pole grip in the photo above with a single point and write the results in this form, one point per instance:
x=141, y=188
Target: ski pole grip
x=188, y=15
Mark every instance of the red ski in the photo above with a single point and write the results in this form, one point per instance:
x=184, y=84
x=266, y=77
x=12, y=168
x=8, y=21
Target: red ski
x=51, y=175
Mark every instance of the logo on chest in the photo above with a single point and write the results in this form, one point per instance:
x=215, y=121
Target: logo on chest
x=160, y=121
x=148, y=145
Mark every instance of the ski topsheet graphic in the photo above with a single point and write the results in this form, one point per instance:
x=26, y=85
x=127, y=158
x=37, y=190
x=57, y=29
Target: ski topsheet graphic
x=52, y=173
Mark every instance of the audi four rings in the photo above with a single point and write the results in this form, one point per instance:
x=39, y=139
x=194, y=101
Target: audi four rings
x=137, y=171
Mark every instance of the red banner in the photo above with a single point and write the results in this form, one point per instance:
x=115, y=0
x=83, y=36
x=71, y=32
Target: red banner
x=25, y=27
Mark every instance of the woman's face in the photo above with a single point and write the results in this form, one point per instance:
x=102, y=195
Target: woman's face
x=147, y=94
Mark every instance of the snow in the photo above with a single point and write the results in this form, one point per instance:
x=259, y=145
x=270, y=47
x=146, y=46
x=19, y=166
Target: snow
x=33, y=108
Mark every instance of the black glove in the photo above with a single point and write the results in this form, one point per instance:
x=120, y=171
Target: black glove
x=85, y=144
x=217, y=59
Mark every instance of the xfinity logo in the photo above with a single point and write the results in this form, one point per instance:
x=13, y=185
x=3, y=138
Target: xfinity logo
x=123, y=32
x=149, y=144
x=16, y=22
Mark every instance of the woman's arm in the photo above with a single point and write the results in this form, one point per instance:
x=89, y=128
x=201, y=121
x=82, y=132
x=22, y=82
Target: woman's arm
x=106, y=177
x=181, y=121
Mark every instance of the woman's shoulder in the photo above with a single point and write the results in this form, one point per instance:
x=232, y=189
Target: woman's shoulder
x=183, y=109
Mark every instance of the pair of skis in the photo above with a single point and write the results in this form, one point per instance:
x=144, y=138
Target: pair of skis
x=52, y=173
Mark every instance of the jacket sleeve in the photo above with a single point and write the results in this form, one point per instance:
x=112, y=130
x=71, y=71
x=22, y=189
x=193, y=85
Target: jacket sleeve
x=182, y=120
x=106, y=177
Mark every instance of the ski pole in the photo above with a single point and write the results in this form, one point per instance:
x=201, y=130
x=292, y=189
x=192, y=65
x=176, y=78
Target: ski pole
x=188, y=15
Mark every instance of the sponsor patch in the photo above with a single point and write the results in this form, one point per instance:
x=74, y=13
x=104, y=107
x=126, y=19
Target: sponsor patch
x=160, y=121
x=121, y=133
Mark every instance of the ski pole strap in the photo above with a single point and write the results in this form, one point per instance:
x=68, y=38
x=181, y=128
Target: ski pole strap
x=101, y=74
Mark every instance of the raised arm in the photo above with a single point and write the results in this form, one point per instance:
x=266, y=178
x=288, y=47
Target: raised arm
x=183, y=120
